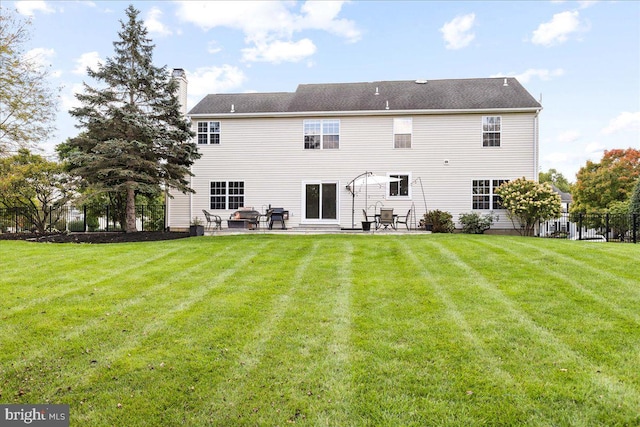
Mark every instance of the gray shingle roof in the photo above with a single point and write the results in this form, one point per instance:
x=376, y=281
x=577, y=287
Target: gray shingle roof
x=451, y=94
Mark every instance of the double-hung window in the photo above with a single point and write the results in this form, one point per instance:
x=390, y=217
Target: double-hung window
x=321, y=134
x=227, y=194
x=399, y=188
x=491, y=131
x=484, y=194
x=402, y=130
x=208, y=133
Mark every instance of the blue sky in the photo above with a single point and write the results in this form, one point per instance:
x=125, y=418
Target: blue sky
x=581, y=57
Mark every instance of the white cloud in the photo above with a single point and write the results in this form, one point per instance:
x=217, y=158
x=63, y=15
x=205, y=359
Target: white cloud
x=29, y=8
x=541, y=73
x=269, y=26
x=625, y=121
x=153, y=24
x=41, y=57
x=558, y=29
x=322, y=15
x=457, y=32
x=206, y=80
x=88, y=59
x=279, y=51
x=68, y=98
x=568, y=136
x=213, y=48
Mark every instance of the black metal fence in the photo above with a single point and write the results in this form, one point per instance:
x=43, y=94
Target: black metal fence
x=79, y=219
x=606, y=227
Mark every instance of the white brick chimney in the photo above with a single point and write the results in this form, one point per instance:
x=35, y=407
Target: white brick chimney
x=181, y=77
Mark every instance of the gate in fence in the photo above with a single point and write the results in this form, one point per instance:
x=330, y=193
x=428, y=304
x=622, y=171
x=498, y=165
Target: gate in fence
x=79, y=219
x=605, y=227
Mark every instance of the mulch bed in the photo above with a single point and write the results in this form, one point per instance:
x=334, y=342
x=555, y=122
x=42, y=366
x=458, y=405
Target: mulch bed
x=100, y=237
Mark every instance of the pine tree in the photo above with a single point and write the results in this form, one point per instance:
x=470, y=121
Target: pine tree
x=134, y=138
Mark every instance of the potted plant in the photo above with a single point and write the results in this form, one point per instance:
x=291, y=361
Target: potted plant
x=196, y=228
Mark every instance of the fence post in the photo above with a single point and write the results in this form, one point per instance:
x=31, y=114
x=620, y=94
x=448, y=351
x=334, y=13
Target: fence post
x=50, y=218
x=142, y=227
x=164, y=217
x=606, y=226
x=635, y=227
x=107, y=217
x=580, y=226
x=84, y=218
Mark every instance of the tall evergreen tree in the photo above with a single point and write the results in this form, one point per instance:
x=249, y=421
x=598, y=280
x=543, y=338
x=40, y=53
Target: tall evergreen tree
x=134, y=137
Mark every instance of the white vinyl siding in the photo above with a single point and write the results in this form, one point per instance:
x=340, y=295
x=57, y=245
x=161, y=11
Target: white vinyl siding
x=265, y=154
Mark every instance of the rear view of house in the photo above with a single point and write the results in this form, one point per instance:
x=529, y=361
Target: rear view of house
x=445, y=144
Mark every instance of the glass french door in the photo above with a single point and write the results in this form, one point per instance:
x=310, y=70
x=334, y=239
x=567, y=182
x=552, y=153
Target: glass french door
x=321, y=201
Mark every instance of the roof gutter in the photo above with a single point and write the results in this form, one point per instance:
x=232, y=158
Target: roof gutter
x=366, y=113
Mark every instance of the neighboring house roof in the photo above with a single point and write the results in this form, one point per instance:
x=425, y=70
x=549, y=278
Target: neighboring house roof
x=451, y=94
x=564, y=197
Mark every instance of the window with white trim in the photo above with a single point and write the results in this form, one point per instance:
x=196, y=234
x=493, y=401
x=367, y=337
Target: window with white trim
x=491, y=131
x=484, y=195
x=208, y=133
x=399, y=188
x=321, y=134
x=226, y=194
x=402, y=130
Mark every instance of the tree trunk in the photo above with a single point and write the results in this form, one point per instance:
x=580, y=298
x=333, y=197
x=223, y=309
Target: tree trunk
x=130, y=210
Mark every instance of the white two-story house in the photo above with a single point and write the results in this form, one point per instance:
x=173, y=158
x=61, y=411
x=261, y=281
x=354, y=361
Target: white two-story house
x=450, y=143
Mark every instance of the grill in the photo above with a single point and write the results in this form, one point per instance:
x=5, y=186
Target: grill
x=277, y=215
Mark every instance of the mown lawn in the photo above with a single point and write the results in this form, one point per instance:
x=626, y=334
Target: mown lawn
x=357, y=330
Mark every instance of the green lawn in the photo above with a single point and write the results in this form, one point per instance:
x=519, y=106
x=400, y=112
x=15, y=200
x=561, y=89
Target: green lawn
x=336, y=330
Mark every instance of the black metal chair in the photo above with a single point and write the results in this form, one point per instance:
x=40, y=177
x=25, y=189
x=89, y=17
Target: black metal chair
x=404, y=219
x=212, y=219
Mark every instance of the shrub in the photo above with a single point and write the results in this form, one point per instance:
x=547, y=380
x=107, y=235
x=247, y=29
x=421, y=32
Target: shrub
x=441, y=221
x=474, y=223
x=528, y=203
x=76, y=225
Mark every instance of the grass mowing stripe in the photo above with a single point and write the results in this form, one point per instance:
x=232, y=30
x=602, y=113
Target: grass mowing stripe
x=53, y=292
x=558, y=272
x=584, y=262
x=115, y=349
x=618, y=393
x=503, y=382
x=229, y=399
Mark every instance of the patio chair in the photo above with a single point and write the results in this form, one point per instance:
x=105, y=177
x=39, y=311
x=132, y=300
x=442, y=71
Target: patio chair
x=387, y=218
x=404, y=219
x=212, y=219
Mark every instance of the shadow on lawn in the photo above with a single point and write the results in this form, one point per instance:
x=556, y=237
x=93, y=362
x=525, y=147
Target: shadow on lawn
x=100, y=237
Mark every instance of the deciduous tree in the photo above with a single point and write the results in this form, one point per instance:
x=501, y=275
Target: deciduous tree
x=528, y=202
x=27, y=103
x=556, y=178
x=634, y=203
x=135, y=139
x=598, y=185
x=35, y=185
